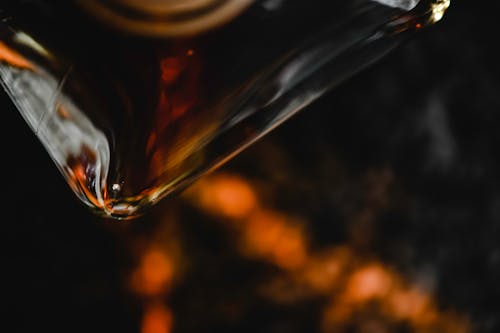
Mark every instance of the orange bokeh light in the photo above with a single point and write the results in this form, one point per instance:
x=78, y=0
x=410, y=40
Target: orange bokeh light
x=271, y=236
x=323, y=272
x=154, y=274
x=369, y=282
x=226, y=196
x=157, y=318
x=354, y=286
x=409, y=304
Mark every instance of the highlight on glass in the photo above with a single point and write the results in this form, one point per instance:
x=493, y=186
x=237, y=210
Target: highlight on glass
x=134, y=100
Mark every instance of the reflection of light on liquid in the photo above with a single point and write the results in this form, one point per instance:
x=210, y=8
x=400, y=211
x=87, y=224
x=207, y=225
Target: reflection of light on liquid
x=12, y=57
x=438, y=9
x=75, y=144
x=357, y=290
x=27, y=40
x=177, y=130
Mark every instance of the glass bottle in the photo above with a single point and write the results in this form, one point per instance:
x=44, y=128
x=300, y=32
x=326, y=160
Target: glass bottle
x=134, y=100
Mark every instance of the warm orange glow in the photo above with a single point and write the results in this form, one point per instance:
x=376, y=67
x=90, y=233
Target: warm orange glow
x=157, y=318
x=79, y=166
x=154, y=273
x=335, y=315
x=171, y=68
x=175, y=120
x=152, y=278
x=409, y=304
x=290, y=252
x=369, y=282
x=383, y=291
x=13, y=58
x=322, y=273
x=180, y=78
x=353, y=287
x=271, y=236
x=226, y=195
x=264, y=233
x=62, y=112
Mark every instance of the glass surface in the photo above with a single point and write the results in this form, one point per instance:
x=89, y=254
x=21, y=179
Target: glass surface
x=400, y=188
x=133, y=101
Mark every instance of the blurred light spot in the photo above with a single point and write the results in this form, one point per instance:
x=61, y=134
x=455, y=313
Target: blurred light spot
x=409, y=304
x=368, y=295
x=156, y=319
x=62, y=112
x=369, y=282
x=323, y=272
x=154, y=274
x=227, y=196
x=269, y=235
x=272, y=5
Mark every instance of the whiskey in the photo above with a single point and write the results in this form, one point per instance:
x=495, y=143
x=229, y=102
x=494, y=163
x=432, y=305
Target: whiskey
x=135, y=100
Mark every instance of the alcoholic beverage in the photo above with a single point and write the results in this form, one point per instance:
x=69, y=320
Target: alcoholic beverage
x=134, y=100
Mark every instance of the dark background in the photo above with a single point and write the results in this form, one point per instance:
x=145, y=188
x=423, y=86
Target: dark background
x=428, y=114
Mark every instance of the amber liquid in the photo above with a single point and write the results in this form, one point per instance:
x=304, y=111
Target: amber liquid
x=172, y=108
